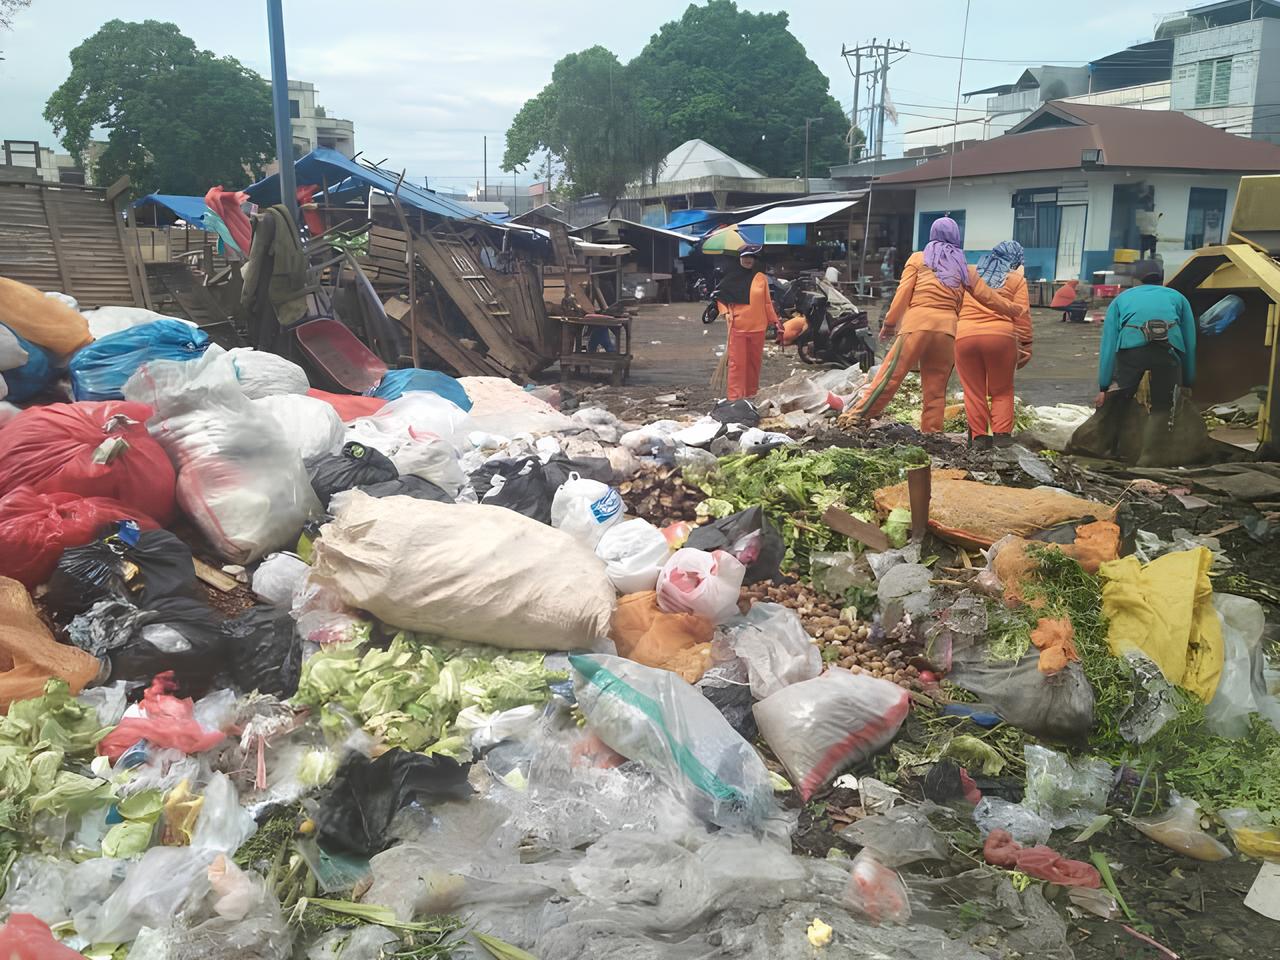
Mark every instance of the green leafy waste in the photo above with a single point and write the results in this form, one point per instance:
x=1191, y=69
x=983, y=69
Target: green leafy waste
x=795, y=487
x=907, y=403
x=411, y=693
x=1217, y=772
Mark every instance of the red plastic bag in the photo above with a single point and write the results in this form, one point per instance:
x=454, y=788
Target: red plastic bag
x=1041, y=862
x=53, y=449
x=349, y=406
x=166, y=721
x=876, y=891
x=36, y=527
x=25, y=937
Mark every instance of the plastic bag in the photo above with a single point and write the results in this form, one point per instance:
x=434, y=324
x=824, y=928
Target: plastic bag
x=634, y=552
x=821, y=726
x=585, y=509
x=13, y=350
x=36, y=527
x=398, y=382
x=23, y=937
x=736, y=411
x=600, y=422
x=100, y=370
x=161, y=719
x=654, y=717
x=642, y=632
x=265, y=651
x=1243, y=620
x=1178, y=828
x=876, y=891
x=898, y=837
x=652, y=440
x=278, y=578
x=92, y=450
x=356, y=466
x=414, y=487
x=414, y=415
x=42, y=320
x=262, y=374
x=30, y=377
x=749, y=536
x=1221, y=315
x=357, y=807
x=105, y=321
x=519, y=485
x=29, y=653
x=707, y=584
x=349, y=407
x=239, y=478
x=431, y=459
x=1252, y=835
x=223, y=824
x=154, y=894
x=772, y=641
x=312, y=426
x=1025, y=826
x=1065, y=792
x=156, y=566
x=1060, y=706
x=465, y=572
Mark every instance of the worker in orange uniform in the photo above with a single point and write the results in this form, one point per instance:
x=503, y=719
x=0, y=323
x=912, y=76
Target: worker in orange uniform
x=744, y=301
x=990, y=346
x=923, y=316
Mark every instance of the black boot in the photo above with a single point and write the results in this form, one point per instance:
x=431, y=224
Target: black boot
x=982, y=443
x=1003, y=440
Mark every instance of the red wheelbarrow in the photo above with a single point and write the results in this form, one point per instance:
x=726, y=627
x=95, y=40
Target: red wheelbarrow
x=337, y=356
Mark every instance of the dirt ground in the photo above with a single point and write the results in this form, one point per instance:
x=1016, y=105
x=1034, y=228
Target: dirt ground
x=674, y=352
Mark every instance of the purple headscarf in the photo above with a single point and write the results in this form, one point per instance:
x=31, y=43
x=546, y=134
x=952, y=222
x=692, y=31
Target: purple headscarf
x=944, y=255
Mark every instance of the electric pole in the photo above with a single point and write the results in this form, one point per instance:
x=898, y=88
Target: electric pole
x=486, y=166
x=877, y=54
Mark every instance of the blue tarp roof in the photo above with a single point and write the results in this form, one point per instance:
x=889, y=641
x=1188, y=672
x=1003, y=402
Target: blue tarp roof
x=190, y=209
x=324, y=165
x=686, y=218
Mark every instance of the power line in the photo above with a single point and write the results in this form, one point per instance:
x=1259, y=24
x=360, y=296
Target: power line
x=964, y=42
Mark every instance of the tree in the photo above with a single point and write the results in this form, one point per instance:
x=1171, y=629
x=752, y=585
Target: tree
x=592, y=122
x=180, y=119
x=742, y=82
x=7, y=10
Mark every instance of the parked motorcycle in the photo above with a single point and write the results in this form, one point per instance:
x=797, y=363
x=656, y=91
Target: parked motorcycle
x=838, y=333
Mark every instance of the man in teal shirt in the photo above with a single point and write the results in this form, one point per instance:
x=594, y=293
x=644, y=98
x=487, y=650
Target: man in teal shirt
x=1149, y=329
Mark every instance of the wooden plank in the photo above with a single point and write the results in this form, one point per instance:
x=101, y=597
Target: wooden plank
x=867, y=534
x=55, y=234
x=214, y=577
x=467, y=363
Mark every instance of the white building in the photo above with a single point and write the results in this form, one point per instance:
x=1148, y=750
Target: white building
x=312, y=127
x=1067, y=182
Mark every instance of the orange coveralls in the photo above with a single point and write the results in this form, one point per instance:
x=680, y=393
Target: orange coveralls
x=748, y=323
x=924, y=313
x=989, y=347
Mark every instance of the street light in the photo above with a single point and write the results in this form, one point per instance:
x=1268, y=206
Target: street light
x=808, y=122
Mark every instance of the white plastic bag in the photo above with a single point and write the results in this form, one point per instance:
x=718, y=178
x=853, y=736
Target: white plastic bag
x=223, y=824
x=777, y=650
x=239, y=478
x=432, y=459
x=476, y=574
x=585, y=509
x=634, y=552
x=278, y=578
x=66, y=298
x=655, y=718
x=821, y=726
x=707, y=584
x=153, y=893
x=108, y=320
x=1237, y=696
x=312, y=426
x=12, y=353
x=262, y=374
x=1053, y=426
x=414, y=415
x=600, y=422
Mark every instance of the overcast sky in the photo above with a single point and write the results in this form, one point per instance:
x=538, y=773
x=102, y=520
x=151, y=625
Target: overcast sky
x=425, y=81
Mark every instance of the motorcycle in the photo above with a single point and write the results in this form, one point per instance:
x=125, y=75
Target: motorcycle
x=837, y=332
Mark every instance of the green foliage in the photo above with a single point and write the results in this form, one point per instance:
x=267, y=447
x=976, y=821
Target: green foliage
x=591, y=120
x=742, y=82
x=180, y=119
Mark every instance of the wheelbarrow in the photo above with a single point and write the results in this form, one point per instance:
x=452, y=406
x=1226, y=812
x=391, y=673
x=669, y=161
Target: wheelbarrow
x=338, y=358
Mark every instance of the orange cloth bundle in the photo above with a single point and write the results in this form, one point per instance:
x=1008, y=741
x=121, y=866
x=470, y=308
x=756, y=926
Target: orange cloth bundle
x=1055, y=638
x=679, y=642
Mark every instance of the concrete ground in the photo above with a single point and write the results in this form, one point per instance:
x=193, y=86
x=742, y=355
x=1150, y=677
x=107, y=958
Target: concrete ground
x=675, y=352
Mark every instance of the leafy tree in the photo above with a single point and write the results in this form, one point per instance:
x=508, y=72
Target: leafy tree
x=591, y=120
x=180, y=119
x=742, y=82
x=7, y=10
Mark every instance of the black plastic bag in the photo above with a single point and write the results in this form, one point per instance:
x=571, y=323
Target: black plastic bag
x=748, y=535
x=734, y=701
x=736, y=411
x=176, y=634
x=358, y=805
x=557, y=470
x=159, y=565
x=407, y=486
x=357, y=465
x=264, y=651
x=521, y=485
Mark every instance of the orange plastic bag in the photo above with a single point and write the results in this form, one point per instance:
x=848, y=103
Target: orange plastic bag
x=1055, y=639
x=646, y=634
x=976, y=515
x=29, y=656
x=43, y=320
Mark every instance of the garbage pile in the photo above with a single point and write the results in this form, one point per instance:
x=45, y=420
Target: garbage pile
x=457, y=673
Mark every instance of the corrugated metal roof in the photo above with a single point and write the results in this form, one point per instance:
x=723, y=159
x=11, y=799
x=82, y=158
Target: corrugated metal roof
x=1140, y=139
x=697, y=158
x=799, y=212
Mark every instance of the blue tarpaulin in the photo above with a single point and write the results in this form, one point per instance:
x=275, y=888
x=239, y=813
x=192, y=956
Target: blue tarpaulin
x=190, y=209
x=325, y=166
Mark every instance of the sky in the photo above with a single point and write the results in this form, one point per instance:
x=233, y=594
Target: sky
x=425, y=82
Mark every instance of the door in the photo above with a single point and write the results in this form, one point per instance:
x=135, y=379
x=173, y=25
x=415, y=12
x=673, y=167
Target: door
x=1071, y=242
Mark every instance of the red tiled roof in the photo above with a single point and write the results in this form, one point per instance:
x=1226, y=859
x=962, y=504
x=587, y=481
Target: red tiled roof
x=1151, y=139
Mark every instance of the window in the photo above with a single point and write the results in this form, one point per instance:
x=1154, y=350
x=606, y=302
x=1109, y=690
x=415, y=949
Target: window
x=1205, y=212
x=1035, y=218
x=294, y=111
x=1213, y=82
x=775, y=233
x=927, y=220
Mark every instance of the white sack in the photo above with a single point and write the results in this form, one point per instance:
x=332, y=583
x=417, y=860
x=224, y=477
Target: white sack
x=312, y=426
x=263, y=374
x=108, y=320
x=432, y=459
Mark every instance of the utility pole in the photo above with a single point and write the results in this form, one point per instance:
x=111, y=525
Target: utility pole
x=808, y=122
x=280, y=107
x=486, y=166
x=878, y=73
x=884, y=87
x=857, y=76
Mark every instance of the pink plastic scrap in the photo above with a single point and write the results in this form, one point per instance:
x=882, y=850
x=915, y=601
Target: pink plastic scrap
x=165, y=721
x=1041, y=862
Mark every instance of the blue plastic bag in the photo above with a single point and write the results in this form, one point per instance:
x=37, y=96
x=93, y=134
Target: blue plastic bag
x=100, y=370
x=32, y=377
x=409, y=380
x=1221, y=315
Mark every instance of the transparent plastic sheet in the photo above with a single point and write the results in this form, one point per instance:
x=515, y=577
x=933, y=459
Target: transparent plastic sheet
x=1153, y=704
x=278, y=578
x=56, y=890
x=168, y=884
x=223, y=825
x=1025, y=826
x=1253, y=836
x=419, y=415
x=772, y=641
x=898, y=837
x=1242, y=689
x=876, y=891
x=1065, y=792
x=909, y=584
x=1021, y=922
x=600, y=422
